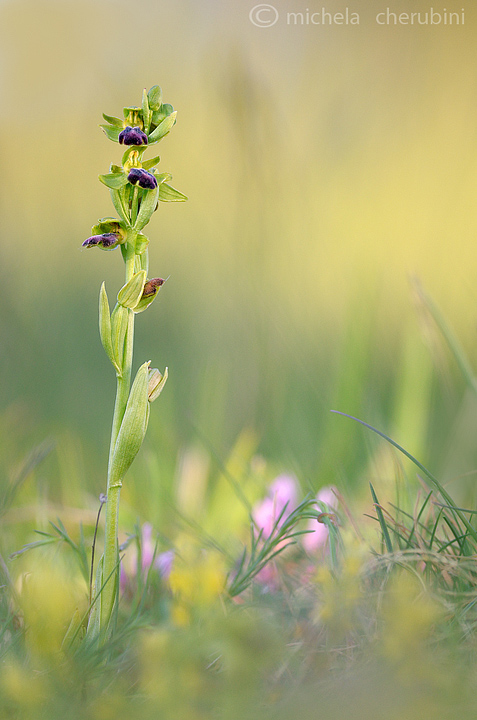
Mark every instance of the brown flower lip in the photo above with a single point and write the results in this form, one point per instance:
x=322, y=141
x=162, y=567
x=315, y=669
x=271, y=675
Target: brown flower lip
x=152, y=286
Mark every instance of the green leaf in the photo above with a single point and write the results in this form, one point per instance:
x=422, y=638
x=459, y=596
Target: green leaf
x=154, y=97
x=169, y=194
x=146, y=111
x=105, y=327
x=111, y=132
x=73, y=630
x=163, y=128
x=147, y=164
x=133, y=427
x=131, y=293
x=382, y=522
x=144, y=303
x=114, y=180
x=125, y=194
x=159, y=115
x=162, y=177
x=94, y=620
x=111, y=120
x=148, y=205
x=141, y=243
x=118, y=203
x=119, y=324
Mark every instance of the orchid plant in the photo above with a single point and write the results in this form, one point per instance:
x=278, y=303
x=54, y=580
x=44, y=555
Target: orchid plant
x=136, y=188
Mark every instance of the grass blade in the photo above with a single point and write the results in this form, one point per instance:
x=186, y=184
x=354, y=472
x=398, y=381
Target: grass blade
x=384, y=527
x=471, y=530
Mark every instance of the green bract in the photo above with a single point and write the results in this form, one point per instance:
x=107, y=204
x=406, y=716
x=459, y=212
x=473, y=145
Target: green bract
x=156, y=383
x=133, y=427
x=130, y=294
x=105, y=328
x=154, y=97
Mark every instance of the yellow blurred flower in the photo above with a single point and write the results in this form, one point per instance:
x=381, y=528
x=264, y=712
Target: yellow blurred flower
x=23, y=687
x=197, y=580
x=49, y=597
x=409, y=614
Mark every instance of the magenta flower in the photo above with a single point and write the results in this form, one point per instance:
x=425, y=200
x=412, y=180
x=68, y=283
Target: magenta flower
x=281, y=498
x=327, y=502
x=164, y=562
x=161, y=563
x=147, y=547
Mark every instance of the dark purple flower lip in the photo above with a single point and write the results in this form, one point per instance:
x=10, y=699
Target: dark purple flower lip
x=132, y=136
x=143, y=178
x=107, y=241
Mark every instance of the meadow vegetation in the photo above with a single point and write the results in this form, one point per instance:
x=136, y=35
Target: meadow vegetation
x=278, y=560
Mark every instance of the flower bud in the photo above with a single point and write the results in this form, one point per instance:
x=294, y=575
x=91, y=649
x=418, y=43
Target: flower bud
x=106, y=241
x=143, y=178
x=132, y=136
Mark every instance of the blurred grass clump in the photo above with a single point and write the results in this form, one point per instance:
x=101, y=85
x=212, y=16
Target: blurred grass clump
x=322, y=171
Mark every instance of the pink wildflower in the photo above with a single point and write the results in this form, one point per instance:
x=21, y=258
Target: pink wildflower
x=162, y=562
x=279, y=502
x=327, y=502
x=282, y=493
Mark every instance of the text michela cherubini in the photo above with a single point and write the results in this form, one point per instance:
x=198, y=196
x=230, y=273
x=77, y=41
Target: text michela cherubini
x=386, y=17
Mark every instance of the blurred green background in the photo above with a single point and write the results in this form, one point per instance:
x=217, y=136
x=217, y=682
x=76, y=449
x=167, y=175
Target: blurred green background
x=325, y=166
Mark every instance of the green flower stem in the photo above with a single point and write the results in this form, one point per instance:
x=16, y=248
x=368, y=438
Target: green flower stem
x=110, y=561
x=134, y=205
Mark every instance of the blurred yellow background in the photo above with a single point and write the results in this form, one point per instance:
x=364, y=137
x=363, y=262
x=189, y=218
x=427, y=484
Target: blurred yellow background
x=325, y=165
